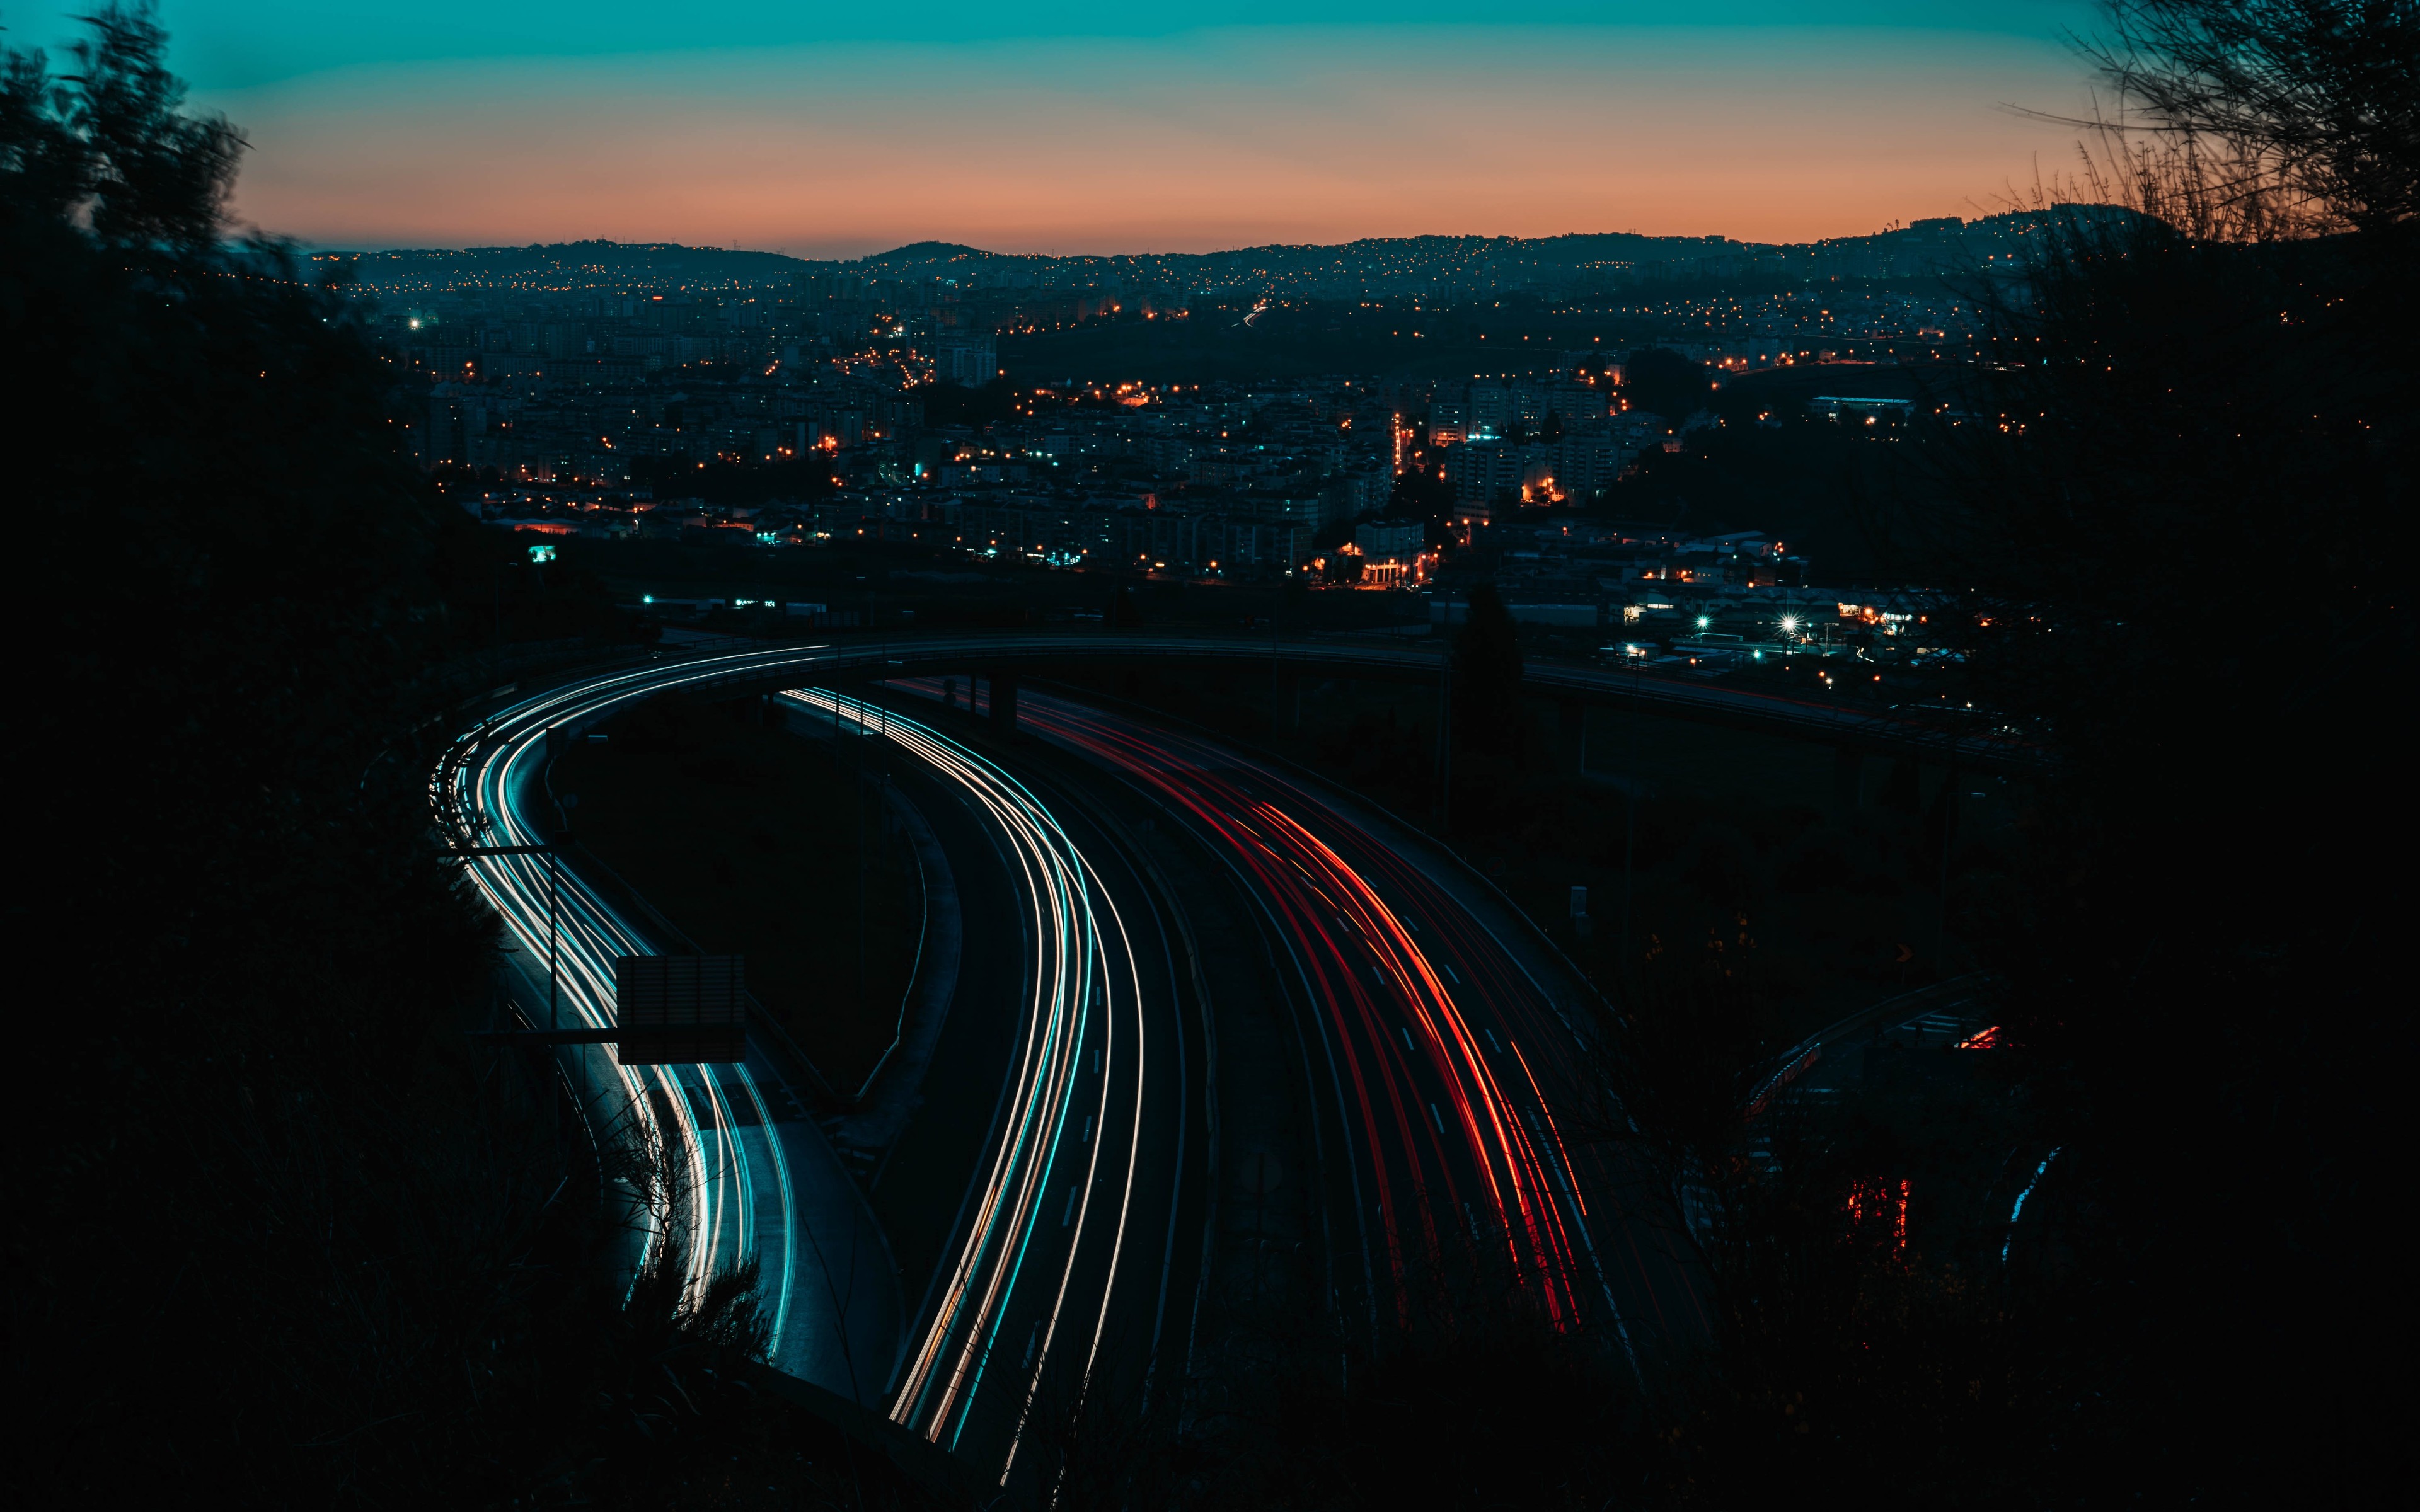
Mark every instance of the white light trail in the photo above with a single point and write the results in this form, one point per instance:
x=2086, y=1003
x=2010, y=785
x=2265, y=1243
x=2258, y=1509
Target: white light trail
x=1084, y=984
x=691, y=1114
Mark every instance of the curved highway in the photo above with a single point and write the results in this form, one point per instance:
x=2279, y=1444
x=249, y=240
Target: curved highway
x=1064, y=1240
x=1065, y=1251
x=1440, y=1067
x=1439, y=1062
x=1939, y=733
x=749, y=1178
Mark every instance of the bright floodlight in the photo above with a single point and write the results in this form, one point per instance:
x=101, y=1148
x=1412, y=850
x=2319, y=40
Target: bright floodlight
x=1790, y=625
x=1703, y=622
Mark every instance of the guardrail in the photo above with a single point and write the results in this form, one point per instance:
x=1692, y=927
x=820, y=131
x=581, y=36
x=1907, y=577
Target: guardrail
x=1781, y=1071
x=879, y=654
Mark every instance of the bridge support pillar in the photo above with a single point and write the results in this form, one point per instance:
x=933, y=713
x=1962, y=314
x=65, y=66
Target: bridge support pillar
x=1848, y=779
x=1003, y=703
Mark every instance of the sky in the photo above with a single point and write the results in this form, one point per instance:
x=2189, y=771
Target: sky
x=1076, y=126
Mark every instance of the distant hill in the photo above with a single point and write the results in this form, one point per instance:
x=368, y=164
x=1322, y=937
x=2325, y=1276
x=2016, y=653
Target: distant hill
x=569, y=264
x=1373, y=254
x=918, y=253
x=1444, y=265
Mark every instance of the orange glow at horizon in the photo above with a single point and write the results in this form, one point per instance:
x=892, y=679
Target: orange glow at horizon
x=1099, y=148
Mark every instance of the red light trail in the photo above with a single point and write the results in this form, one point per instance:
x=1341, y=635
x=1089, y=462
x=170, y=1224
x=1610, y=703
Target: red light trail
x=1456, y=1136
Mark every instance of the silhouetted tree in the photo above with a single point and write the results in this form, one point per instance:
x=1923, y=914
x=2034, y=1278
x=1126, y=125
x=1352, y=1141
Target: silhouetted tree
x=110, y=150
x=2309, y=104
x=954, y=404
x=1488, y=730
x=1662, y=382
x=301, y=1243
x=2196, y=405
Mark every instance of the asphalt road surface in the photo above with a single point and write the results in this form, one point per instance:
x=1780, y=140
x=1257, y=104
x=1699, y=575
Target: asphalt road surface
x=748, y=1176
x=1055, y=1277
x=1442, y=1067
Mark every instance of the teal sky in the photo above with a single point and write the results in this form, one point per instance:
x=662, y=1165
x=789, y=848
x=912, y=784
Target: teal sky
x=1069, y=125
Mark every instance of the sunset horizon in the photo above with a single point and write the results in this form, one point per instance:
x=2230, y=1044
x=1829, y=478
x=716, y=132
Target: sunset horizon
x=1835, y=122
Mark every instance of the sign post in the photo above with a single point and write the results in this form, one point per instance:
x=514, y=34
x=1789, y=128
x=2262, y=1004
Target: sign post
x=682, y=1007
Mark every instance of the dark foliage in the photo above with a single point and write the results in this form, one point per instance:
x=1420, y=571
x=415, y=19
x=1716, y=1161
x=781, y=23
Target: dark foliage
x=1802, y=482
x=2312, y=102
x=2200, y=427
x=1844, y=1253
x=1509, y=1415
x=111, y=147
x=1423, y=492
x=1487, y=717
x=954, y=404
x=287, y=1240
x=734, y=483
x=2201, y=418
x=1661, y=381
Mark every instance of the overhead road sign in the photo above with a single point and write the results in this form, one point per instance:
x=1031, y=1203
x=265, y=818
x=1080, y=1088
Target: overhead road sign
x=682, y=1007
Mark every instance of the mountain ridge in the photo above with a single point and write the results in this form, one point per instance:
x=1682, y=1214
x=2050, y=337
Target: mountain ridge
x=1944, y=243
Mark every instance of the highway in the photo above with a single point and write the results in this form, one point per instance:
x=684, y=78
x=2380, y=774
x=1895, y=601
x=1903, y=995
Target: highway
x=1439, y=1067
x=1057, y=1275
x=1440, y=1063
x=1059, y=1269
x=1966, y=738
x=749, y=1178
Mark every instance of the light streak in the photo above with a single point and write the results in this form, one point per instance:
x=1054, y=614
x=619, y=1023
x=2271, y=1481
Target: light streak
x=489, y=784
x=1333, y=913
x=2019, y=1210
x=1084, y=984
x=690, y=1113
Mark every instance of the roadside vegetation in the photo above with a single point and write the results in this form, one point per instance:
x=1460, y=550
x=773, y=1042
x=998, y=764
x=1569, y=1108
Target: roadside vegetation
x=287, y=1237
x=752, y=842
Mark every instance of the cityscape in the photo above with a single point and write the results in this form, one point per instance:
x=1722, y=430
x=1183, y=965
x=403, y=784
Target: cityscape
x=566, y=384
x=1276, y=861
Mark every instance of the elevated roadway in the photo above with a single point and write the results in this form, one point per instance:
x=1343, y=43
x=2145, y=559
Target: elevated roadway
x=1058, y=1269
x=1441, y=1062
x=1055, y=1275
x=1439, y=1070
x=746, y=1176
x=1962, y=738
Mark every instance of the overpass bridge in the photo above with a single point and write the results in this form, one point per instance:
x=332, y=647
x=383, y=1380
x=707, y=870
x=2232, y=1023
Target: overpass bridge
x=1003, y=658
